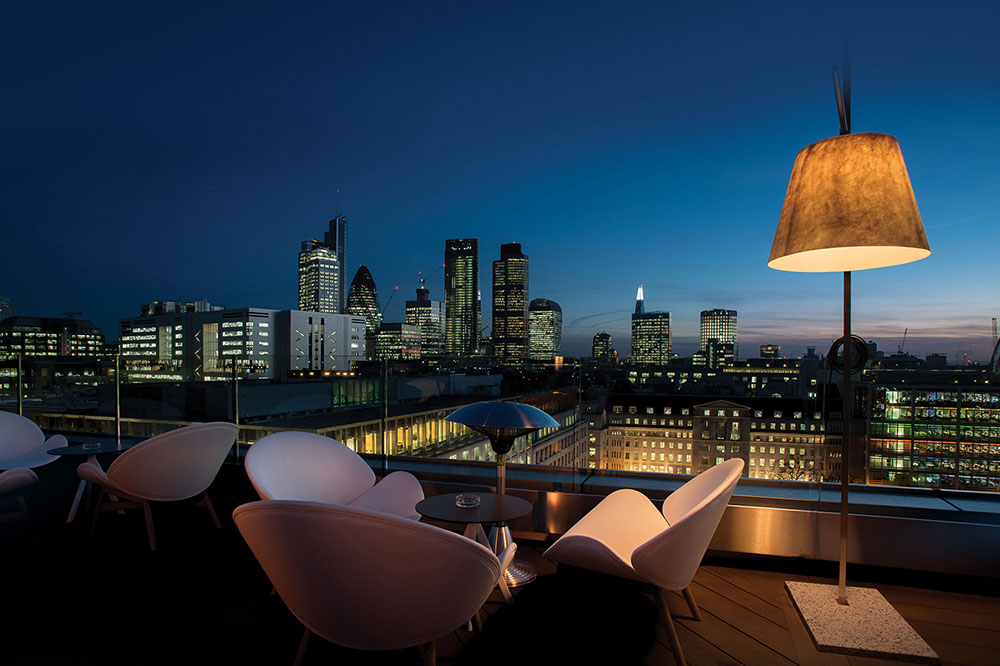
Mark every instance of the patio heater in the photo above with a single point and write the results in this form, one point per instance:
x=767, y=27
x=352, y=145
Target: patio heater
x=502, y=423
x=849, y=207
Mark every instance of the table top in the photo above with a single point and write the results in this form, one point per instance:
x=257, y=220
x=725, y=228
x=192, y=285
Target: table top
x=80, y=450
x=492, y=508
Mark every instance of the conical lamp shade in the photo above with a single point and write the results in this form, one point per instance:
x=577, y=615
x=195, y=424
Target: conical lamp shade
x=849, y=207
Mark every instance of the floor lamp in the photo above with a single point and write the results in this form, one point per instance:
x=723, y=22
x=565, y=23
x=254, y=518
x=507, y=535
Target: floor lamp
x=502, y=423
x=850, y=207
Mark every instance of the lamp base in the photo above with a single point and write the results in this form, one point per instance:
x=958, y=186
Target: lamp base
x=868, y=625
x=519, y=572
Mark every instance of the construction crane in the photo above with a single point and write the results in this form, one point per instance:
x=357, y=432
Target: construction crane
x=386, y=304
x=423, y=278
x=903, y=343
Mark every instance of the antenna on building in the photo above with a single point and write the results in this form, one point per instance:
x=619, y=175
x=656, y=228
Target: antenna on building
x=338, y=203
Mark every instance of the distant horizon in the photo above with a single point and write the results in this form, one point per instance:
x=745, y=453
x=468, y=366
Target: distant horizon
x=185, y=151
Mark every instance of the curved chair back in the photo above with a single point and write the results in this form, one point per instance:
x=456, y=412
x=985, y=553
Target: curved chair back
x=175, y=465
x=693, y=511
x=367, y=580
x=18, y=436
x=307, y=466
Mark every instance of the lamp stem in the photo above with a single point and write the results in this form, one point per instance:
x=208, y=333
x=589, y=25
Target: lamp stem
x=845, y=442
x=501, y=475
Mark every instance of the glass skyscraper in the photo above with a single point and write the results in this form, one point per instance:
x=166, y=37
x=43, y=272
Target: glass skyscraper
x=718, y=325
x=461, y=296
x=428, y=316
x=321, y=270
x=545, y=330
x=510, y=306
x=362, y=299
x=651, y=343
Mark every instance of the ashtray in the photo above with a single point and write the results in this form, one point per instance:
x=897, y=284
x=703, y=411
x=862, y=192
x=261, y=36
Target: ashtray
x=467, y=501
x=91, y=446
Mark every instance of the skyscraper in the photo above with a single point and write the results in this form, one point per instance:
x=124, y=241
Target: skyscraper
x=603, y=346
x=428, y=316
x=545, y=330
x=322, y=270
x=718, y=325
x=650, y=335
x=461, y=296
x=510, y=306
x=362, y=299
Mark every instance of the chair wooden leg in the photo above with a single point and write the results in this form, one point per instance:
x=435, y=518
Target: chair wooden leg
x=478, y=617
x=668, y=625
x=149, y=525
x=692, y=604
x=211, y=510
x=430, y=654
x=302, y=647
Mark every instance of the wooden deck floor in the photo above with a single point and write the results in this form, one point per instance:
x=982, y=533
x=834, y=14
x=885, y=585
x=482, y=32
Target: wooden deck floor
x=749, y=619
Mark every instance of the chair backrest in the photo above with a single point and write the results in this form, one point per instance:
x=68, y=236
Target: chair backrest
x=18, y=436
x=307, y=466
x=693, y=511
x=367, y=580
x=175, y=465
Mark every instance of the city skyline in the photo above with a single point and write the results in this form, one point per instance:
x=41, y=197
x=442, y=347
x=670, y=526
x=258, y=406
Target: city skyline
x=641, y=144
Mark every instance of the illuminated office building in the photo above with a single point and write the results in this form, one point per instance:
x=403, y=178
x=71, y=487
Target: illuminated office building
x=428, y=316
x=461, y=296
x=603, y=346
x=50, y=336
x=362, y=299
x=260, y=343
x=719, y=325
x=397, y=342
x=770, y=351
x=322, y=266
x=510, y=306
x=545, y=330
x=651, y=344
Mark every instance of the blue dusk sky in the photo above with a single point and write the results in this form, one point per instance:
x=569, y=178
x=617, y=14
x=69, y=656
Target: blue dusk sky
x=184, y=150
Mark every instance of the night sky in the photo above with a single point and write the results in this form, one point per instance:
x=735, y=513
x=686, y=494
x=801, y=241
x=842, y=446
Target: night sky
x=178, y=151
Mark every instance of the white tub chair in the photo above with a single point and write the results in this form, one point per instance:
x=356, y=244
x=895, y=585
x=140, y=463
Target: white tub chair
x=171, y=467
x=13, y=483
x=23, y=444
x=626, y=536
x=307, y=466
x=367, y=580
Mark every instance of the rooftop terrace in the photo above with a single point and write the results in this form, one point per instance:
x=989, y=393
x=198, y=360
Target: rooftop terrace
x=202, y=598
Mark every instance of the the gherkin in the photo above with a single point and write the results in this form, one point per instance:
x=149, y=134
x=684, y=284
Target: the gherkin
x=362, y=298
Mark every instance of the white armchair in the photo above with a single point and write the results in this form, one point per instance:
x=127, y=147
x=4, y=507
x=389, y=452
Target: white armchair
x=626, y=536
x=23, y=444
x=13, y=483
x=174, y=466
x=307, y=466
x=367, y=580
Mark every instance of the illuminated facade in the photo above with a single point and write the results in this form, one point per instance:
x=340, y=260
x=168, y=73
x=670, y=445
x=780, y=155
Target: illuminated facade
x=50, y=336
x=602, y=346
x=461, y=296
x=719, y=325
x=428, y=316
x=544, y=329
x=362, y=300
x=322, y=267
x=935, y=436
x=260, y=343
x=510, y=306
x=777, y=438
x=397, y=342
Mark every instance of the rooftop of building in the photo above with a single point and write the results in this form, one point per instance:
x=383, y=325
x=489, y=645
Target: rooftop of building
x=202, y=598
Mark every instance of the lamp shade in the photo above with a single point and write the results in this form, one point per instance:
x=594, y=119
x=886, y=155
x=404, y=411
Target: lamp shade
x=849, y=207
